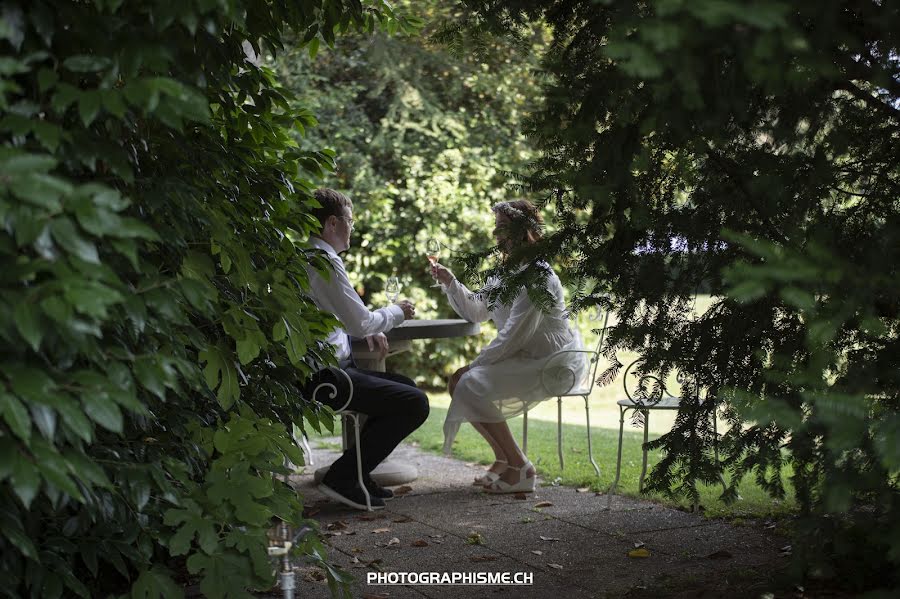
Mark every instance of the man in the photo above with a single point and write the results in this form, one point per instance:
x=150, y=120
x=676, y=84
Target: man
x=394, y=406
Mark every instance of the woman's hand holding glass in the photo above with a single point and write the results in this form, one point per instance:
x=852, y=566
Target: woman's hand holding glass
x=441, y=274
x=432, y=250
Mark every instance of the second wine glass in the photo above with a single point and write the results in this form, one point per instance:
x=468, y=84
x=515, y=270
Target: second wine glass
x=392, y=289
x=433, y=250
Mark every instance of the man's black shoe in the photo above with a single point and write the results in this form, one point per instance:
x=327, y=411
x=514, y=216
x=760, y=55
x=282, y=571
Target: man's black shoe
x=376, y=490
x=350, y=494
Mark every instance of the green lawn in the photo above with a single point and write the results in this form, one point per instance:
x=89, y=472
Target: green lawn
x=470, y=447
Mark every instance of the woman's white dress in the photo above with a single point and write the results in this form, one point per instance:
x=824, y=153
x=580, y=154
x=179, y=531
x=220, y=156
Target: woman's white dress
x=509, y=376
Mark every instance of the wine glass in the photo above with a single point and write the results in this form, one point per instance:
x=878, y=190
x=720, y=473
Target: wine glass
x=432, y=250
x=392, y=289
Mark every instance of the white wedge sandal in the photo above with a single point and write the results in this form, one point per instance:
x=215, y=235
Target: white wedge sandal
x=525, y=484
x=489, y=476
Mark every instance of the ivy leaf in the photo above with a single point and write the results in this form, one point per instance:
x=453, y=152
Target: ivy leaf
x=86, y=63
x=54, y=468
x=155, y=583
x=151, y=375
x=25, y=480
x=65, y=234
x=193, y=522
x=12, y=530
x=27, y=317
x=89, y=106
x=16, y=416
x=221, y=373
x=102, y=410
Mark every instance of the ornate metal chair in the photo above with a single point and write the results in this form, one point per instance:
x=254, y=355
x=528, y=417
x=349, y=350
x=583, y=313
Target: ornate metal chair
x=560, y=380
x=642, y=402
x=331, y=379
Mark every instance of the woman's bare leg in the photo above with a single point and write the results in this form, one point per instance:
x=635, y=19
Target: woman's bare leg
x=504, y=438
x=499, y=454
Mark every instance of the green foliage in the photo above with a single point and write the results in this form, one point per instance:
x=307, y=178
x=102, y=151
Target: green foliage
x=153, y=322
x=427, y=138
x=749, y=149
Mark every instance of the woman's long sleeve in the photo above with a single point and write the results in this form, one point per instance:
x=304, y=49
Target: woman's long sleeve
x=473, y=307
x=524, y=320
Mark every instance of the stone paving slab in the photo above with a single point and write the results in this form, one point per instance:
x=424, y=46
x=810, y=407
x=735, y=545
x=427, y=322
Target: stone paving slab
x=433, y=521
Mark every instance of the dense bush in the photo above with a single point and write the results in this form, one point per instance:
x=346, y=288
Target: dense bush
x=751, y=149
x=153, y=324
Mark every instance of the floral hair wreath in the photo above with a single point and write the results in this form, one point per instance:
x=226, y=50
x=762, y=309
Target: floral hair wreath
x=514, y=214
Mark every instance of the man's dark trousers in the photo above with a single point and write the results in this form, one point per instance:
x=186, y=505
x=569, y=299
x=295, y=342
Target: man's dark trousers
x=394, y=408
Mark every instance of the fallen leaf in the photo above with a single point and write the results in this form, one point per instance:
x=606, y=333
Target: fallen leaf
x=356, y=550
x=435, y=536
x=381, y=544
x=403, y=490
x=355, y=560
x=544, y=504
x=419, y=543
x=721, y=554
x=314, y=576
x=483, y=558
x=543, y=538
x=475, y=538
x=556, y=566
x=638, y=544
x=582, y=490
x=641, y=552
x=349, y=532
x=374, y=562
x=520, y=496
x=311, y=513
x=556, y=481
x=402, y=520
x=536, y=552
x=394, y=541
x=337, y=525
x=380, y=530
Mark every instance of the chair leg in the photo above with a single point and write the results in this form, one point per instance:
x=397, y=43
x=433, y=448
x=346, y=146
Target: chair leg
x=359, y=472
x=615, y=484
x=307, y=452
x=587, y=417
x=716, y=451
x=525, y=432
x=644, y=447
x=562, y=464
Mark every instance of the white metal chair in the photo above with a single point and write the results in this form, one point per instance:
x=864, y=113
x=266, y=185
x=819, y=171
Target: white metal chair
x=659, y=398
x=560, y=380
x=345, y=415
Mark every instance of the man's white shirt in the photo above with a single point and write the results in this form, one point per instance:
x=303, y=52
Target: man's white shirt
x=337, y=296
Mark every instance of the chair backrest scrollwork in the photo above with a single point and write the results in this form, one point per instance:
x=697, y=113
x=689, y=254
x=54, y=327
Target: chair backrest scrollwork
x=332, y=387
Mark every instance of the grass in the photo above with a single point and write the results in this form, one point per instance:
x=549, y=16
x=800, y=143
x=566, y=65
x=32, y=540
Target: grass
x=469, y=446
x=578, y=472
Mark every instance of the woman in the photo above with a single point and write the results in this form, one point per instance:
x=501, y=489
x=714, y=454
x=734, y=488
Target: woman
x=505, y=379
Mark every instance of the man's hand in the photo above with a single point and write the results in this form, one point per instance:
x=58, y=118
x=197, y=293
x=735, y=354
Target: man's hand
x=380, y=341
x=409, y=310
x=454, y=378
x=441, y=273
